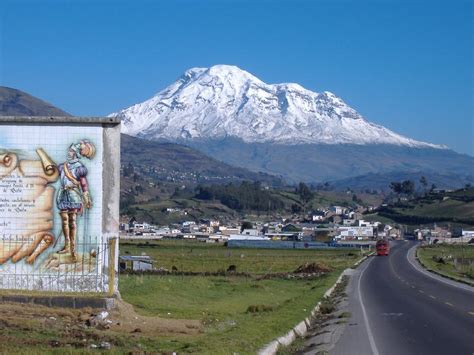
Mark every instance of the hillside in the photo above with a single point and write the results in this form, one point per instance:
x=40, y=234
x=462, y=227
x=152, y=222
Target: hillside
x=231, y=202
x=378, y=182
x=14, y=102
x=178, y=163
x=316, y=163
x=455, y=207
x=153, y=172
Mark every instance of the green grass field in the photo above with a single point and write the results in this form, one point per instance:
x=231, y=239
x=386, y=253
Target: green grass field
x=165, y=313
x=187, y=255
x=222, y=303
x=448, y=260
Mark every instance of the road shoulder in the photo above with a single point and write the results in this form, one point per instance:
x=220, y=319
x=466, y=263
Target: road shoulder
x=357, y=330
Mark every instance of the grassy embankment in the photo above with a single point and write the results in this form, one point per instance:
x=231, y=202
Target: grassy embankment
x=455, y=261
x=239, y=313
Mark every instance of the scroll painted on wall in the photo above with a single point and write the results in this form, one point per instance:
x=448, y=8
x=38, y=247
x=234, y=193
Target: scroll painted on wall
x=50, y=208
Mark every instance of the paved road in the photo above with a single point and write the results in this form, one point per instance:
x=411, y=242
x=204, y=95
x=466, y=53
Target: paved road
x=398, y=309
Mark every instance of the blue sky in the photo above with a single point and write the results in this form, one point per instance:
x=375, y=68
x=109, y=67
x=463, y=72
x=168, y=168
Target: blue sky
x=404, y=64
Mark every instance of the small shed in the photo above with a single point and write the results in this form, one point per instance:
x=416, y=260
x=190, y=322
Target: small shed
x=135, y=263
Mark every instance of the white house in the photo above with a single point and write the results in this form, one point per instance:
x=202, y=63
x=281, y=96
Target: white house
x=363, y=223
x=468, y=233
x=228, y=230
x=252, y=232
x=337, y=210
x=359, y=233
x=348, y=222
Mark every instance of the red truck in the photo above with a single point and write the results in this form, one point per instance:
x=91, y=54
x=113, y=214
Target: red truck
x=382, y=247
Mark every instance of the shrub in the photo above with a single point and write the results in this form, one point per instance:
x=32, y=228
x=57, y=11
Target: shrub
x=327, y=306
x=259, y=308
x=439, y=259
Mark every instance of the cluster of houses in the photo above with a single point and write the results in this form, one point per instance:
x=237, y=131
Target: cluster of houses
x=446, y=235
x=336, y=224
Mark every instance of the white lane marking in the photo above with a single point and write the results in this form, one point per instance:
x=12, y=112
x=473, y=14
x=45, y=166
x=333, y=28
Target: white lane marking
x=449, y=304
x=366, y=319
x=420, y=269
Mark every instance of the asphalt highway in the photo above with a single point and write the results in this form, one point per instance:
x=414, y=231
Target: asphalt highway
x=398, y=308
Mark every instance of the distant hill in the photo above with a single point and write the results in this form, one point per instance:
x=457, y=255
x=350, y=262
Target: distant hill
x=381, y=182
x=14, y=102
x=315, y=163
x=176, y=162
x=456, y=207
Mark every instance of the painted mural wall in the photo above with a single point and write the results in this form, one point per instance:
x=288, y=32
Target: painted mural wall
x=51, y=208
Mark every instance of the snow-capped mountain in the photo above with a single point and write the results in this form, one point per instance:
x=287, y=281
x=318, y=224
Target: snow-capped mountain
x=226, y=102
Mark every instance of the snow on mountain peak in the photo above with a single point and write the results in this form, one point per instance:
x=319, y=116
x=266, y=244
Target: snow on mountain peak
x=226, y=101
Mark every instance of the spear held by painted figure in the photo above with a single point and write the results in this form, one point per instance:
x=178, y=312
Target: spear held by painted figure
x=73, y=196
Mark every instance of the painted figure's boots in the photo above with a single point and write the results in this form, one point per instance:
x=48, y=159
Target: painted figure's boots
x=65, y=227
x=72, y=234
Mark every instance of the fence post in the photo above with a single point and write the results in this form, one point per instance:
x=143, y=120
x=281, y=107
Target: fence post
x=112, y=248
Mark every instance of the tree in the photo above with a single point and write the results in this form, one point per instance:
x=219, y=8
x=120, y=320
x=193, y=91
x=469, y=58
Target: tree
x=424, y=183
x=304, y=192
x=128, y=170
x=408, y=187
x=355, y=199
x=396, y=187
x=246, y=196
x=125, y=202
x=295, y=208
x=246, y=225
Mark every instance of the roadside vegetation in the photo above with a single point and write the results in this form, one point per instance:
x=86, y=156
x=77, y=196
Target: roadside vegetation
x=456, y=261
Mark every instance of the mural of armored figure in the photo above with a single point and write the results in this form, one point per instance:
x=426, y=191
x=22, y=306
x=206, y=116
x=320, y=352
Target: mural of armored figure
x=73, y=196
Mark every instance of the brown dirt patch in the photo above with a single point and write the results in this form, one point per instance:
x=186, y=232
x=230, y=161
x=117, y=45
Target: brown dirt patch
x=72, y=328
x=125, y=319
x=309, y=268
